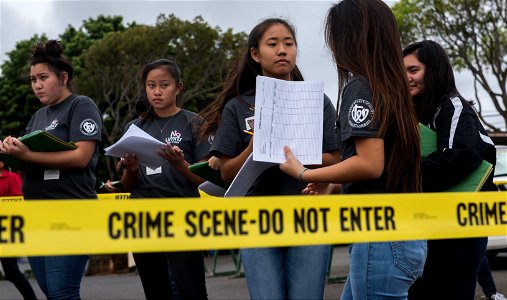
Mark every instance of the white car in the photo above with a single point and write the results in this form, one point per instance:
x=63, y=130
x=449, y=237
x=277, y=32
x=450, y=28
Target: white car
x=499, y=243
x=500, y=176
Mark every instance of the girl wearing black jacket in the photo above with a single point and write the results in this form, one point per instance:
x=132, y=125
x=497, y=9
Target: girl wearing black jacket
x=452, y=265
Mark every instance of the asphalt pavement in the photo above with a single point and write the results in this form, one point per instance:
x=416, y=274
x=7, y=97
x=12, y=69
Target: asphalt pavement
x=127, y=286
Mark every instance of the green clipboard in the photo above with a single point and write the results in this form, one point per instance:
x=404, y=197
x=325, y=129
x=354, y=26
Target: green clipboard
x=473, y=182
x=38, y=141
x=203, y=170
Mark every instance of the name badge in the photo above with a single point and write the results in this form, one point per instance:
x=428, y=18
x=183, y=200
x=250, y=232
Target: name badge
x=249, y=123
x=150, y=171
x=51, y=174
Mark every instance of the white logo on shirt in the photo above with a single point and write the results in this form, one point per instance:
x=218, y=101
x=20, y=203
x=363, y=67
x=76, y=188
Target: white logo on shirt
x=360, y=113
x=88, y=127
x=53, y=125
x=174, y=138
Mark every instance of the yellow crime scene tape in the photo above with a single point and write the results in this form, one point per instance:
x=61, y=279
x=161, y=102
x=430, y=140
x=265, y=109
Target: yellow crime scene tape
x=58, y=227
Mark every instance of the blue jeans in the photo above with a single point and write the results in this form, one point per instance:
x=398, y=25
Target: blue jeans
x=286, y=273
x=59, y=277
x=383, y=270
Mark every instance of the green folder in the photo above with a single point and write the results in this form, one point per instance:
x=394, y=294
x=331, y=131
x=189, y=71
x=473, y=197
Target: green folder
x=473, y=182
x=38, y=141
x=203, y=170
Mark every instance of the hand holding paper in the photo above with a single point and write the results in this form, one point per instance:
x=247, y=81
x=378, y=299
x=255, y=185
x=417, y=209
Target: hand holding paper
x=291, y=166
x=12, y=146
x=131, y=162
x=173, y=154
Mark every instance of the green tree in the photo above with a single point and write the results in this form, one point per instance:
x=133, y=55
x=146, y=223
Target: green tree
x=77, y=41
x=474, y=34
x=203, y=53
x=17, y=101
x=113, y=65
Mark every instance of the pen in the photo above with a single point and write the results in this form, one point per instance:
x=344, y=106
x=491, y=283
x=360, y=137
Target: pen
x=249, y=132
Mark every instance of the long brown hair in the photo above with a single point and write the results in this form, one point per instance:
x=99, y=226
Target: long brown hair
x=364, y=39
x=241, y=78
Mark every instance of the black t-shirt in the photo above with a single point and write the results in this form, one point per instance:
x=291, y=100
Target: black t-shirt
x=355, y=120
x=230, y=140
x=75, y=119
x=166, y=181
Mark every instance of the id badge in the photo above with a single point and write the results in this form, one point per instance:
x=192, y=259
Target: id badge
x=150, y=171
x=51, y=174
x=249, y=123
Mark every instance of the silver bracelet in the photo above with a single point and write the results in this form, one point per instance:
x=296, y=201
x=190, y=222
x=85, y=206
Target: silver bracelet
x=301, y=173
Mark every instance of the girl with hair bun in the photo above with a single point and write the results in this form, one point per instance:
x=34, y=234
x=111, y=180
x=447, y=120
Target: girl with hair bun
x=68, y=174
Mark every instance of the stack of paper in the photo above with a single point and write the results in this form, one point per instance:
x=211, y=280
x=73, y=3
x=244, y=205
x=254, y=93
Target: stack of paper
x=137, y=141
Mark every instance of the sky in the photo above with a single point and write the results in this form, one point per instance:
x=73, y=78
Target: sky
x=20, y=20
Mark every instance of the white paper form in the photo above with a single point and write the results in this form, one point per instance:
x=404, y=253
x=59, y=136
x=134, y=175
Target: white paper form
x=137, y=141
x=288, y=113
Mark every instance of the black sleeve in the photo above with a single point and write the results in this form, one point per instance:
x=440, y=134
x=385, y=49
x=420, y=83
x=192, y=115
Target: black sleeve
x=357, y=111
x=227, y=140
x=458, y=153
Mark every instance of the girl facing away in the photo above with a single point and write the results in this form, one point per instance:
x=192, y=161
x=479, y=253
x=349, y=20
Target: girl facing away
x=377, y=132
x=279, y=272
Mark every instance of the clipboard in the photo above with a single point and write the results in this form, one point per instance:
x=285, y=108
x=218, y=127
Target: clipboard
x=38, y=141
x=473, y=182
x=203, y=170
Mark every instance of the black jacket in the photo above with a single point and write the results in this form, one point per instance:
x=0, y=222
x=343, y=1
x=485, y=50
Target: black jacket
x=462, y=144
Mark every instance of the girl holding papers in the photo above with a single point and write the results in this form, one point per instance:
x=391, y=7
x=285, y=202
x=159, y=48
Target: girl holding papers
x=174, y=127
x=377, y=131
x=66, y=174
x=282, y=272
x=453, y=264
